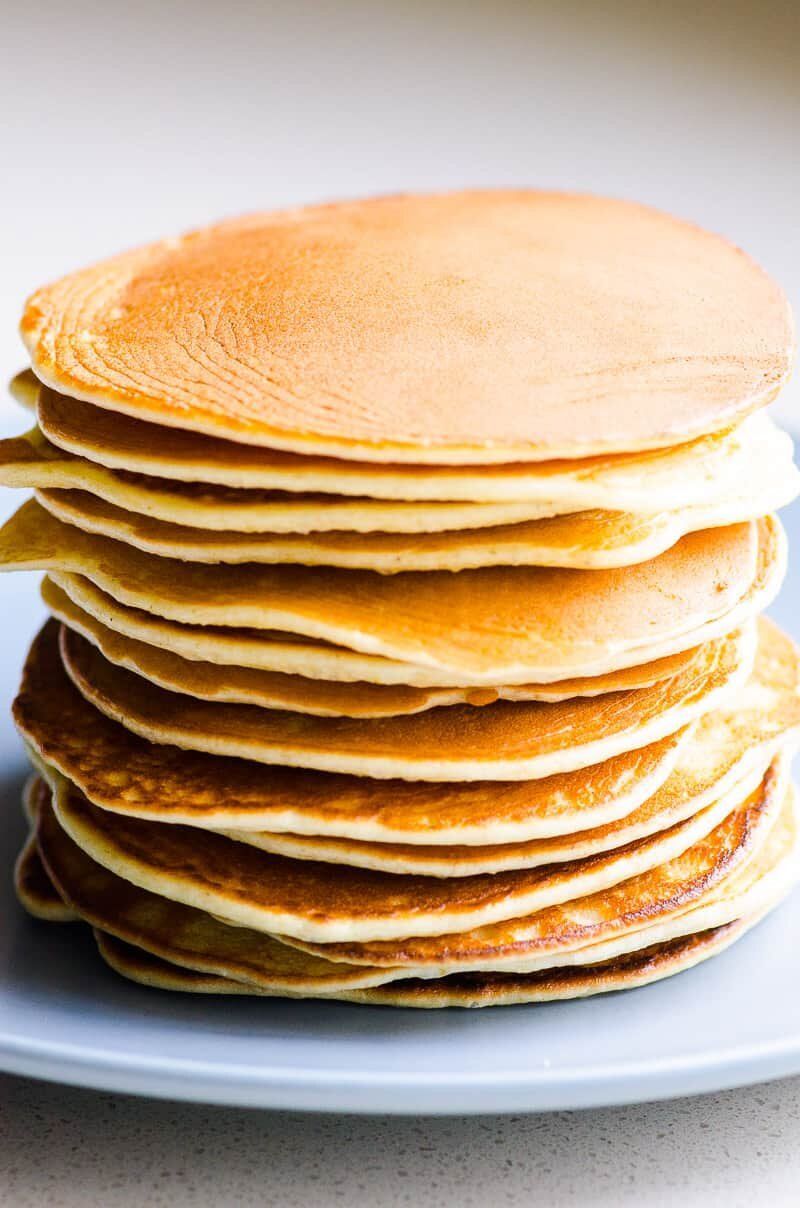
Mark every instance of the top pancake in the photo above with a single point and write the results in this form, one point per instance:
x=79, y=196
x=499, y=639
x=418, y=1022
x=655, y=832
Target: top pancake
x=466, y=328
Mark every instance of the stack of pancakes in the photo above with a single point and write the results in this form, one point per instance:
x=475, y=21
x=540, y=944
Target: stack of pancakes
x=405, y=561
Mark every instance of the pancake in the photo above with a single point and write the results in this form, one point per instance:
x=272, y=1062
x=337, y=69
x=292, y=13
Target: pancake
x=244, y=685
x=309, y=657
x=128, y=775
x=425, y=329
x=31, y=794
x=475, y=625
x=728, y=753
x=34, y=889
x=179, y=932
x=496, y=990
x=196, y=941
x=209, y=681
x=33, y=886
x=351, y=912
x=581, y=540
x=681, y=796
x=654, y=481
x=501, y=741
x=703, y=872
x=482, y=990
x=24, y=388
x=28, y=461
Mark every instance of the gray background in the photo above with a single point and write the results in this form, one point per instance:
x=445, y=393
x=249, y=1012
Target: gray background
x=127, y=122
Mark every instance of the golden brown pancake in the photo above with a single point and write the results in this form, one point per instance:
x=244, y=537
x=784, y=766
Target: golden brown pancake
x=700, y=872
x=507, y=740
x=638, y=968
x=682, y=795
x=142, y=967
x=656, y=480
x=476, y=625
x=34, y=889
x=461, y=990
x=125, y=774
x=310, y=657
x=581, y=540
x=33, y=886
x=467, y=327
x=245, y=685
x=129, y=775
x=194, y=940
x=352, y=911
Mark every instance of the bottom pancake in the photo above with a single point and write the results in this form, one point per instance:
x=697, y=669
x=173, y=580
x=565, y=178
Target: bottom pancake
x=195, y=941
x=462, y=990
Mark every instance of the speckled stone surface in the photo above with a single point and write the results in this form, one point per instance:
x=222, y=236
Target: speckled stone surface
x=64, y=1147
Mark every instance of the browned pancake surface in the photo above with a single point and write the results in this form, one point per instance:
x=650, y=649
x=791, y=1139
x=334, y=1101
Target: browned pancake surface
x=439, y=328
x=105, y=900
x=634, y=902
x=506, y=740
x=350, y=910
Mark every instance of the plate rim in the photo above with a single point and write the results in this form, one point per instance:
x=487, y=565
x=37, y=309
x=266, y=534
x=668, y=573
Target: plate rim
x=388, y=1092
x=235, y=1080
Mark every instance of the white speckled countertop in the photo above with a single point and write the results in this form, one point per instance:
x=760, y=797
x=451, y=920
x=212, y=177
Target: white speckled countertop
x=63, y=1147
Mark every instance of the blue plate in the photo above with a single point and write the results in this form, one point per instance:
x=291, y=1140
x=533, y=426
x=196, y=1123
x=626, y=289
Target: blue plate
x=63, y=1016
